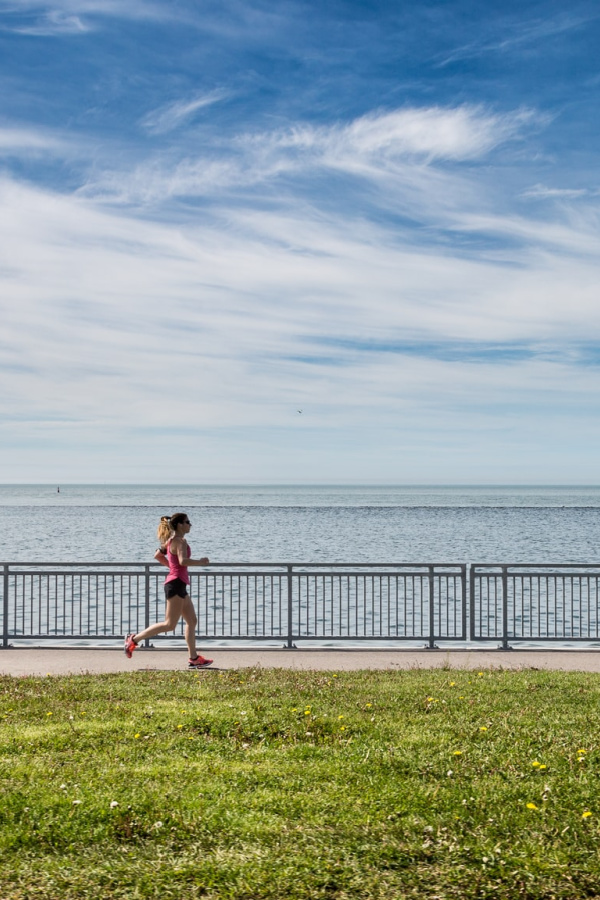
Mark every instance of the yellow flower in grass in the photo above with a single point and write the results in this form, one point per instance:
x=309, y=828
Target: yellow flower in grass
x=458, y=753
x=586, y=814
x=531, y=806
x=483, y=728
x=136, y=735
x=536, y=764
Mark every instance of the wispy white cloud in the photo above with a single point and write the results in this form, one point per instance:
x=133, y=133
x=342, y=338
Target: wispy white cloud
x=580, y=238
x=124, y=8
x=30, y=140
x=416, y=162
x=542, y=192
x=171, y=116
x=52, y=23
x=403, y=144
x=517, y=34
x=434, y=133
x=48, y=18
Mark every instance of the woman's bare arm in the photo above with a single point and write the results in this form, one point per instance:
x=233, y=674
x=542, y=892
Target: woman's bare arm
x=160, y=557
x=180, y=548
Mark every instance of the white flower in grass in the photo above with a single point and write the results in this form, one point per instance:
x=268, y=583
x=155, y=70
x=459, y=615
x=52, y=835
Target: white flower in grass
x=113, y=804
x=76, y=802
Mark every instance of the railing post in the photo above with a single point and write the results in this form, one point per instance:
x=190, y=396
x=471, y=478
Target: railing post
x=505, y=608
x=472, y=602
x=290, y=611
x=431, y=645
x=463, y=587
x=5, y=608
x=147, y=602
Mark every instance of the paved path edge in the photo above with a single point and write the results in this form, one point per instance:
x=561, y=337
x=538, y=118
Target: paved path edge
x=68, y=661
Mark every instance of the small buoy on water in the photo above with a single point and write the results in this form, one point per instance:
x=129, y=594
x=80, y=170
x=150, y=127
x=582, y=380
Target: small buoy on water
x=58, y=490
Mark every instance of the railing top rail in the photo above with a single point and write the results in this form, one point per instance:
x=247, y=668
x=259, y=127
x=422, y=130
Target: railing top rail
x=530, y=567
x=244, y=565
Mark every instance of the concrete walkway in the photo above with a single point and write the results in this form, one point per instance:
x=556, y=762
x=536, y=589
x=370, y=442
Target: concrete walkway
x=77, y=660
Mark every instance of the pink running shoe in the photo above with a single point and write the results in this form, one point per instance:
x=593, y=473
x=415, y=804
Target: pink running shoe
x=199, y=663
x=130, y=646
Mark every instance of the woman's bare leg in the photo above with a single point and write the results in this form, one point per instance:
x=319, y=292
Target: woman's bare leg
x=191, y=620
x=174, y=612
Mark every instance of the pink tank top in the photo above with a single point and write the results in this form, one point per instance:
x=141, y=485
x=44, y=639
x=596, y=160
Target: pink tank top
x=176, y=570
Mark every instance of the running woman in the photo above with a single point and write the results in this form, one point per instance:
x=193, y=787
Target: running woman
x=174, y=553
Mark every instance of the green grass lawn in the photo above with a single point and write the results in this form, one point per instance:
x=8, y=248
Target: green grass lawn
x=271, y=784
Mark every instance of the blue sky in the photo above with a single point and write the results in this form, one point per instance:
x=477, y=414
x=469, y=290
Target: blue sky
x=383, y=214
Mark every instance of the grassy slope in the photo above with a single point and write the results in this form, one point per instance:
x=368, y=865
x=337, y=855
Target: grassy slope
x=262, y=784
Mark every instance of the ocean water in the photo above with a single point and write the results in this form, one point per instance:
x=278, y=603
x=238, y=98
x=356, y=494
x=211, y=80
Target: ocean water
x=357, y=524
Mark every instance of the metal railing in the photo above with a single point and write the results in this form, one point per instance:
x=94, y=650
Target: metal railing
x=238, y=601
x=299, y=602
x=513, y=603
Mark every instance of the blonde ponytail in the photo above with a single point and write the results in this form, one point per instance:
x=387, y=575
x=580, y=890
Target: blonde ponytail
x=165, y=530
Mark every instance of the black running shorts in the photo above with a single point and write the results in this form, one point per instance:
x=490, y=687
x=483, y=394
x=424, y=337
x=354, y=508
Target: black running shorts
x=176, y=588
